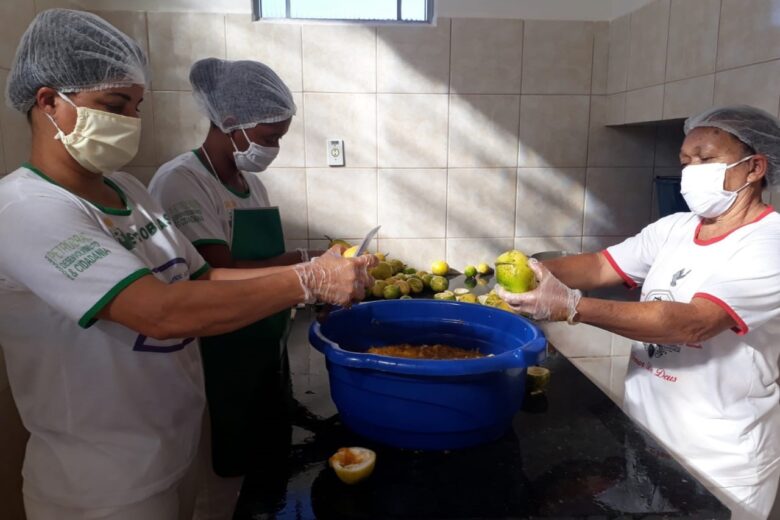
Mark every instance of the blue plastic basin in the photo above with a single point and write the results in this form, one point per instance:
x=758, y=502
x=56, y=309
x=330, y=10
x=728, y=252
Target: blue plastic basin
x=427, y=404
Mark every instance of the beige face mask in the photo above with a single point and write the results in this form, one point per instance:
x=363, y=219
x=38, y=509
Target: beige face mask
x=101, y=142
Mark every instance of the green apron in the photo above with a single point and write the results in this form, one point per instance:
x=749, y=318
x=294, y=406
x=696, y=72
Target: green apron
x=247, y=371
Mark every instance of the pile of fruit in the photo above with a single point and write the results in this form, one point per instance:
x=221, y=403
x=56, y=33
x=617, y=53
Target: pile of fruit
x=394, y=279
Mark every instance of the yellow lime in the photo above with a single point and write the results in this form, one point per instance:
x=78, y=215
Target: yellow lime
x=470, y=271
x=467, y=298
x=445, y=295
x=513, y=273
x=536, y=379
x=377, y=290
x=484, y=268
x=416, y=285
x=351, y=252
x=353, y=464
x=404, y=286
x=440, y=267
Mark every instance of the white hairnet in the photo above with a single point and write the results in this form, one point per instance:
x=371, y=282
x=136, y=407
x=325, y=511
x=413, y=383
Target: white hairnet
x=240, y=94
x=758, y=129
x=72, y=51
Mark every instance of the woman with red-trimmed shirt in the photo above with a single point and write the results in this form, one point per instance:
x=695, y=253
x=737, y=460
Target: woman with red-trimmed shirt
x=703, y=369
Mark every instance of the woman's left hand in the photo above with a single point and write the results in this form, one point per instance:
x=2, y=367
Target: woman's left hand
x=551, y=300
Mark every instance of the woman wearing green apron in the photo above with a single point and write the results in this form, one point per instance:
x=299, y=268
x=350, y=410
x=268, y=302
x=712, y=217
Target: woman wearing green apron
x=214, y=198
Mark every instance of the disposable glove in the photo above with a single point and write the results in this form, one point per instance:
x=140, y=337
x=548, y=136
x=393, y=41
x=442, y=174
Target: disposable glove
x=330, y=278
x=551, y=300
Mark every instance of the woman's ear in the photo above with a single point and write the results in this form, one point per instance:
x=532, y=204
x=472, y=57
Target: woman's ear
x=758, y=167
x=46, y=100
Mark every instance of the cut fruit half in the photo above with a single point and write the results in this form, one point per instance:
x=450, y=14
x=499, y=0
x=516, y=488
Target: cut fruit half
x=353, y=464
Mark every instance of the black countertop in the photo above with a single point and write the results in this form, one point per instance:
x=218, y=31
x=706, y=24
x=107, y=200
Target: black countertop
x=572, y=453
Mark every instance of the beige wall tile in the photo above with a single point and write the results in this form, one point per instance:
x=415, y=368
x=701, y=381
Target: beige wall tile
x=287, y=189
x=146, y=150
x=183, y=38
x=132, y=23
x=557, y=57
x=749, y=32
x=414, y=59
x=617, y=201
x=351, y=117
x=596, y=244
x=278, y=45
x=625, y=146
x=419, y=253
x=412, y=130
x=619, y=45
x=339, y=58
x=756, y=85
x=578, y=341
x=3, y=169
x=645, y=104
x=292, y=152
x=483, y=131
x=598, y=83
x=621, y=346
x=616, y=109
x=647, y=55
x=532, y=245
x=342, y=202
x=178, y=123
x=13, y=439
x=481, y=203
x=486, y=56
x=142, y=173
x=16, y=133
x=472, y=251
x=693, y=38
x=688, y=97
x=412, y=203
x=553, y=130
x=549, y=202
x=294, y=245
x=15, y=16
x=617, y=385
x=669, y=138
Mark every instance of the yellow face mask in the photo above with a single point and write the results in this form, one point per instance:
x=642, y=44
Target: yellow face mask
x=101, y=142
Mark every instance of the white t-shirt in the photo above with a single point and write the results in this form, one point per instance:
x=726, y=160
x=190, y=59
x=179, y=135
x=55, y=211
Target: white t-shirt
x=114, y=416
x=197, y=201
x=717, y=404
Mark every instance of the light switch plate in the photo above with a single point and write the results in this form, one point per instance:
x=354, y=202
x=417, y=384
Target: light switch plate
x=335, y=148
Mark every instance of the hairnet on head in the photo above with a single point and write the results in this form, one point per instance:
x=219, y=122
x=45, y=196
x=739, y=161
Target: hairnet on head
x=240, y=94
x=72, y=51
x=758, y=129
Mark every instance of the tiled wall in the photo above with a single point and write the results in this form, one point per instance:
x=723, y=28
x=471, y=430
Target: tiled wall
x=673, y=58
x=462, y=140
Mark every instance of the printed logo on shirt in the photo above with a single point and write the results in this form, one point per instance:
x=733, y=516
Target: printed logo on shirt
x=132, y=237
x=186, y=212
x=679, y=275
x=76, y=254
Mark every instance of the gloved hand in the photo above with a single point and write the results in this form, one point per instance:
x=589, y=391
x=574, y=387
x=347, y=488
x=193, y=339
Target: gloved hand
x=330, y=278
x=551, y=300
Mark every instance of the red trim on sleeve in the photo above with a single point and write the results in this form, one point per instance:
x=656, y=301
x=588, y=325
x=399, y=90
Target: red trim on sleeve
x=713, y=240
x=630, y=283
x=741, y=329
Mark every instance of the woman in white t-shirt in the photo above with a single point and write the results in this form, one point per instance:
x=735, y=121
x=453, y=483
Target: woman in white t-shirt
x=101, y=297
x=703, y=368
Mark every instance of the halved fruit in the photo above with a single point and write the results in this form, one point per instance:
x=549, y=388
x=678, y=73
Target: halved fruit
x=353, y=464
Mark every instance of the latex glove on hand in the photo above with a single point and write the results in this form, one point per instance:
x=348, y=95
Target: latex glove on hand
x=330, y=278
x=551, y=300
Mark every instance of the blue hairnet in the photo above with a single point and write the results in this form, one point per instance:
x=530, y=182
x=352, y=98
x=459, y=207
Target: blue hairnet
x=72, y=51
x=758, y=129
x=240, y=94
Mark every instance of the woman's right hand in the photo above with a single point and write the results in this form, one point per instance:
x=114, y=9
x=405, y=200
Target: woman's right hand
x=330, y=278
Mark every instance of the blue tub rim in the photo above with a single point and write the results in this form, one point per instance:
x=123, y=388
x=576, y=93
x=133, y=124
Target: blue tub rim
x=532, y=352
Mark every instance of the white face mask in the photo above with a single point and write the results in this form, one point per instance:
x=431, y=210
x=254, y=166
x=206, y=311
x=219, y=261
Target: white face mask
x=254, y=159
x=101, y=142
x=702, y=188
